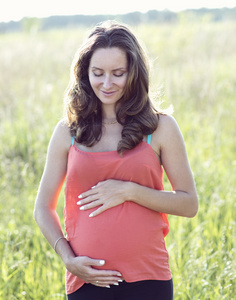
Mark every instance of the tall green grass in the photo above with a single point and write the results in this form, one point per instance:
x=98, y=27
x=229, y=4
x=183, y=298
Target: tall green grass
x=192, y=67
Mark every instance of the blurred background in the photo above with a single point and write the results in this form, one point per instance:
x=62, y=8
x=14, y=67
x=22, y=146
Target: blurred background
x=191, y=46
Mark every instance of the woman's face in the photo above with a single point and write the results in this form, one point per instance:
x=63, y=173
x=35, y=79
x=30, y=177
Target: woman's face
x=108, y=73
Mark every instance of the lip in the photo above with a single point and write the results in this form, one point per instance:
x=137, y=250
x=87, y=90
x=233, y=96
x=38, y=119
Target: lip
x=108, y=93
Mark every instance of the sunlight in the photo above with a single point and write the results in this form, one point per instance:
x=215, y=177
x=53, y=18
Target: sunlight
x=16, y=10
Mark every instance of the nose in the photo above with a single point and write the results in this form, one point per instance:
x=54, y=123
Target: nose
x=107, y=84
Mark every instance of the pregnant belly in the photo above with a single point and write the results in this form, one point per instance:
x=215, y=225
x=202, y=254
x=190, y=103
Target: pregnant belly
x=123, y=233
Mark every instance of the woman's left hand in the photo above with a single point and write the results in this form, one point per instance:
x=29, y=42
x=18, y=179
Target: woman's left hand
x=105, y=194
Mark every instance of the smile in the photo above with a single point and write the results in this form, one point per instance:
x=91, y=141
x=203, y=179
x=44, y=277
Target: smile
x=108, y=93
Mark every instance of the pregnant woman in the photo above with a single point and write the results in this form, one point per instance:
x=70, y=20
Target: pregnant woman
x=112, y=148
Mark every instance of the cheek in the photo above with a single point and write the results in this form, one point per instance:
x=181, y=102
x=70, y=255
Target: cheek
x=123, y=83
x=93, y=82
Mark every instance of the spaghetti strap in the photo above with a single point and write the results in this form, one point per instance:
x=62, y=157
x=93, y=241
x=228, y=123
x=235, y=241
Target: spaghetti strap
x=149, y=139
x=73, y=140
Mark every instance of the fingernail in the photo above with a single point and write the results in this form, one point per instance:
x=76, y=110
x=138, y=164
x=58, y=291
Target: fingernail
x=116, y=283
x=120, y=280
x=91, y=215
x=108, y=286
x=93, y=187
x=102, y=262
x=80, y=196
x=79, y=203
x=119, y=274
x=82, y=208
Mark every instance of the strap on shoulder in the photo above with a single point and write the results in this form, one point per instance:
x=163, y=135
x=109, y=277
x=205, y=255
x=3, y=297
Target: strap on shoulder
x=149, y=139
x=73, y=140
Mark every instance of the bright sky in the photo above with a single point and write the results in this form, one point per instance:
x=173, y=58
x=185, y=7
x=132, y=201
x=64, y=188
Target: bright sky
x=17, y=9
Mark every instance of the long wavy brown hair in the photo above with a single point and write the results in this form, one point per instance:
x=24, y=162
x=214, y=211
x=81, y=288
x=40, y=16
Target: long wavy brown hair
x=134, y=110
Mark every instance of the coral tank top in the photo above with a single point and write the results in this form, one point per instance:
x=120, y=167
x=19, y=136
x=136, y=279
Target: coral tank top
x=129, y=237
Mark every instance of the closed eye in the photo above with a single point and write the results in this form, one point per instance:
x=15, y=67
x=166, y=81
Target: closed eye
x=97, y=75
x=119, y=74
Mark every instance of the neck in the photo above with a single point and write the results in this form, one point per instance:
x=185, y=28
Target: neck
x=109, y=115
x=109, y=121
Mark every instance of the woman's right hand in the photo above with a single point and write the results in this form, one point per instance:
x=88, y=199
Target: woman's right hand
x=84, y=268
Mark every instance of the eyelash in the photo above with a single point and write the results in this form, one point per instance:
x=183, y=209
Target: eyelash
x=96, y=75
x=119, y=75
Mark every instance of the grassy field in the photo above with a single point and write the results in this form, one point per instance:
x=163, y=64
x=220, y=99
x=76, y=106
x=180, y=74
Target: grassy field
x=193, y=68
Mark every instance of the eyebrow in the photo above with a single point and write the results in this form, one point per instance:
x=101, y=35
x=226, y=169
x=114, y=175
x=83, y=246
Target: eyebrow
x=118, y=69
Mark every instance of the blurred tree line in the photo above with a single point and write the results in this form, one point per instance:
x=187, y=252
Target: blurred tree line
x=134, y=18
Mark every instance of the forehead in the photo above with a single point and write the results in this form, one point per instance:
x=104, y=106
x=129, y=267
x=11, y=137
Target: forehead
x=109, y=58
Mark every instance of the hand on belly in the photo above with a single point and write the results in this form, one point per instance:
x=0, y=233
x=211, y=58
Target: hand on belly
x=85, y=268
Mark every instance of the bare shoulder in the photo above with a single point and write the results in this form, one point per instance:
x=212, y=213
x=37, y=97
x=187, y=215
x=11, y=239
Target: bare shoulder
x=167, y=132
x=167, y=122
x=61, y=137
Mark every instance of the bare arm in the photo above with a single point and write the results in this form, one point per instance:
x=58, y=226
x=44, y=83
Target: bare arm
x=47, y=218
x=50, y=186
x=182, y=201
x=168, y=143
